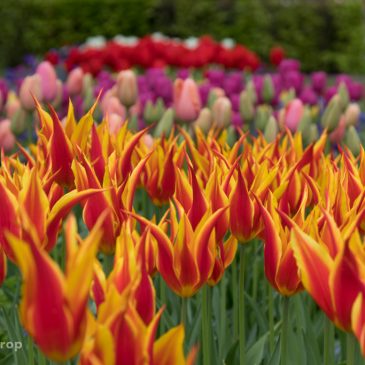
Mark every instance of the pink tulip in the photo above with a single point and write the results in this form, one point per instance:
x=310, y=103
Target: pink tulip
x=293, y=114
x=127, y=88
x=12, y=106
x=222, y=112
x=352, y=114
x=48, y=77
x=74, y=81
x=30, y=85
x=148, y=141
x=59, y=94
x=337, y=135
x=187, y=103
x=112, y=105
x=115, y=122
x=7, y=139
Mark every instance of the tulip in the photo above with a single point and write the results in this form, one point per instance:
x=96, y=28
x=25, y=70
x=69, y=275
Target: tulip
x=164, y=126
x=222, y=112
x=337, y=135
x=319, y=80
x=352, y=140
x=31, y=87
x=332, y=114
x=112, y=105
x=329, y=270
x=293, y=114
x=352, y=114
x=7, y=139
x=12, y=106
x=187, y=104
x=277, y=54
x=19, y=121
x=53, y=308
x=344, y=95
x=214, y=94
x=271, y=129
x=114, y=123
x=204, y=121
x=186, y=260
x=153, y=113
x=280, y=266
x=263, y=113
x=127, y=89
x=57, y=101
x=247, y=108
x=74, y=83
x=268, y=91
x=48, y=78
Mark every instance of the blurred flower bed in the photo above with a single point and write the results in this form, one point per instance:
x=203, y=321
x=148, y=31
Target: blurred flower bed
x=197, y=82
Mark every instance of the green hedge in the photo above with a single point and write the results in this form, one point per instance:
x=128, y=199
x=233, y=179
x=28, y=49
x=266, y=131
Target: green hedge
x=322, y=34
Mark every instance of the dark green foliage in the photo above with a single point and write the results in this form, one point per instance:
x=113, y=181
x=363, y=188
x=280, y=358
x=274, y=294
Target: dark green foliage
x=322, y=34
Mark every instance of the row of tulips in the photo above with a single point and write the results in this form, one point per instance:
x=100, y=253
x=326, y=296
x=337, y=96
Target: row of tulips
x=163, y=219
x=267, y=103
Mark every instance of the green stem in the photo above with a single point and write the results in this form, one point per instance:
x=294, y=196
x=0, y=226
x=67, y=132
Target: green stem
x=284, y=331
x=328, y=345
x=184, y=312
x=235, y=298
x=30, y=350
x=350, y=349
x=206, y=326
x=241, y=314
x=222, y=318
x=41, y=358
x=255, y=275
x=108, y=263
x=271, y=318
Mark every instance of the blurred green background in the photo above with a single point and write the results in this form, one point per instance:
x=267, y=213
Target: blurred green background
x=327, y=35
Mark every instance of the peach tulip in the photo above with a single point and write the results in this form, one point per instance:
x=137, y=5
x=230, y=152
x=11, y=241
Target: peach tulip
x=7, y=139
x=293, y=114
x=48, y=78
x=74, y=81
x=187, y=103
x=31, y=86
x=127, y=88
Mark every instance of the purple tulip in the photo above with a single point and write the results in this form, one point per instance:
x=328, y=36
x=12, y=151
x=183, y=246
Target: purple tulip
x=319, y=81
x=236, y=119
x=216, y=77
x=356, y=91
x=183, y=73
x=235, y=100
x=204, y=92
x=288, y=65
x=3, y=91
x=330, y=92
x=308, y=96
x=293, y=79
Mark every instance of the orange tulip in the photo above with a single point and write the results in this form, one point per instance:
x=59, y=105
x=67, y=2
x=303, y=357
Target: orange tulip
x=53, y=308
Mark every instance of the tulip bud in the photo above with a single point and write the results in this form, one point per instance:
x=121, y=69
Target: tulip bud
x=187, y=103
x=313, y=133
x=268, y=91
x=263, y=113
x=287, y=96
x=112, y=105
x=247, y=108
x=293, y=114
x=222, y=112
x=165, y=124
x=114, y=123
x=48, y=79
x=74, y=81
x=31, y=85
x=87, y=83
x=352, y=140
x=231, y=136
x=332, y=114
x=7, y=139
x=352, y=114
x=305, y=124
x=127, y=89
x=337, y=135
x=214, y=94
x=153, y=113
x=19, y=121
x=344, y=95
x=271, y=129
x=251, y=92
x=204, y=121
